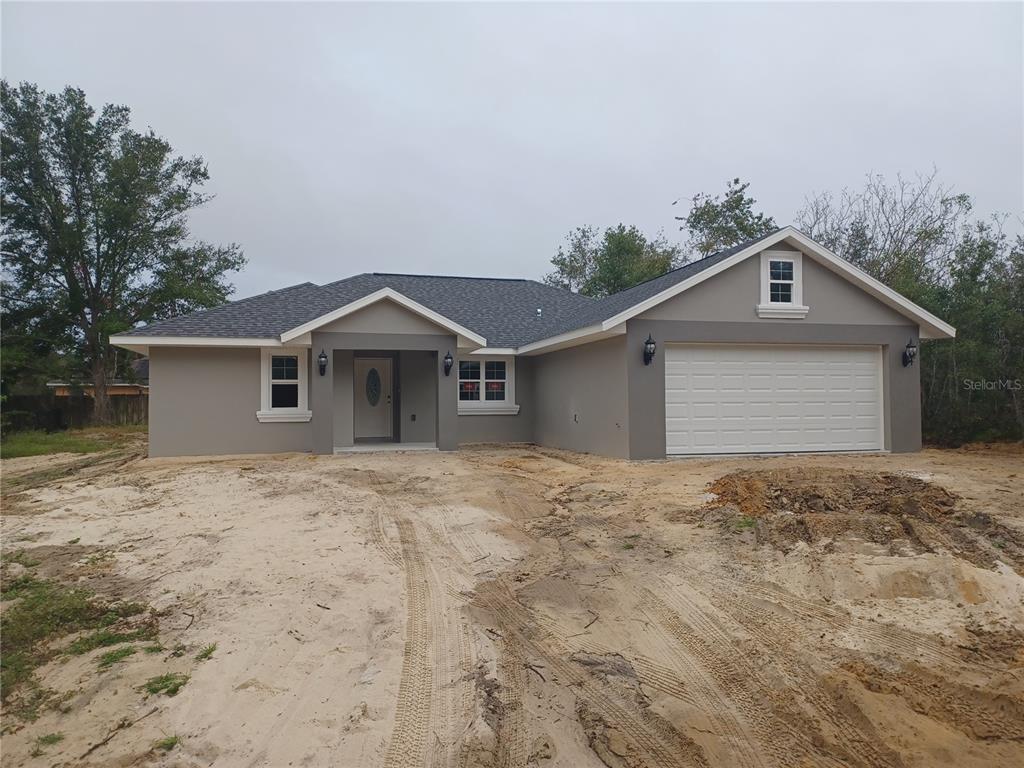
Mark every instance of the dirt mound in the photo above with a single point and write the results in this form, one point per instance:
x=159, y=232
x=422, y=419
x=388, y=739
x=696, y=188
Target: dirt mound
x=808, y=491
x=981, y=712
x=786, y=506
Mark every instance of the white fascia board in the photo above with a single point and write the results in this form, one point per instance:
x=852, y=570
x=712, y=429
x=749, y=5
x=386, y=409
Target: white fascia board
x=469, y=337
x=931, y=327
x=506, y=351
x=142, y=344
x=571, y=339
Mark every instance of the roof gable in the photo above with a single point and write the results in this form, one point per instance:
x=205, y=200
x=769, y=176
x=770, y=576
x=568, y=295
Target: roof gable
x=466, y=337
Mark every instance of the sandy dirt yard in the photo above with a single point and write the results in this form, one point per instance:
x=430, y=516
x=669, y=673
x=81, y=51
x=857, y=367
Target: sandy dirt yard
x=520, y=606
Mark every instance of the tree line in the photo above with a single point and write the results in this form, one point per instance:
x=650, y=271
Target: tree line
x=95, y=240
x=917, y=235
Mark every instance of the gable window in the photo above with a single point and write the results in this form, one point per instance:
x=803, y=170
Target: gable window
x=781, y=285
x=283, y=385
x=487, y=386
x=780, y=281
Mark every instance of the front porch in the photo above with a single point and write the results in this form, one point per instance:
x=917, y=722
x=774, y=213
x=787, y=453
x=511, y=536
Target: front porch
x=383, y=392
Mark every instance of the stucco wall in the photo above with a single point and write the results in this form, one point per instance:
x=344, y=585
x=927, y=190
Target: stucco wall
x=733, y=295
x=581, y=397
x=504, y=428
x=417, y=397
x=342, y=374
x=203, y=400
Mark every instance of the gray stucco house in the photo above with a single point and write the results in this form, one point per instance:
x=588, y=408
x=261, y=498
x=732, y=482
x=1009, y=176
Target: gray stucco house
x=775, y=345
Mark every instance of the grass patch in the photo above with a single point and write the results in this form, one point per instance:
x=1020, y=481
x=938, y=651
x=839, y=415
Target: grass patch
x=118, y=654
x=21, y=557
x=207, y=652
x=745, y=522
x=39, y=443
x=106, y=637
x=50, y=739
x=43, y=612
x=168, y=684
x=167, y=744
x=153, y=648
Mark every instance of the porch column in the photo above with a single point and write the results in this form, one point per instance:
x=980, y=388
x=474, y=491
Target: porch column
x=447, y=401
x=321, y=391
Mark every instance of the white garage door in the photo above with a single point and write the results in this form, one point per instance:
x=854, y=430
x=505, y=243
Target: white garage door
x=767, y=398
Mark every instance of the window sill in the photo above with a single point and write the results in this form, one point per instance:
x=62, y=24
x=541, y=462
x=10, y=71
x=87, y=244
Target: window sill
x=283, y=416
x=501, y=409
x=785, y=311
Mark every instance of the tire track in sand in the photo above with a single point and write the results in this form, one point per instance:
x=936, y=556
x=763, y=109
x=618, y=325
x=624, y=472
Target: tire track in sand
x=639, y=728
x=435, y=696
x=414, y=711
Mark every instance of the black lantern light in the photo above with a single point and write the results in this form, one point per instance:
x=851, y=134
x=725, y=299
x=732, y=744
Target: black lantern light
x=909, y=353
x=449, y=361
x=649, y=349
x=321, y=360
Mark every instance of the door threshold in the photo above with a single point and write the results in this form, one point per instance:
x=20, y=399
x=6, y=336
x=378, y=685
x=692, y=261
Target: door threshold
x=384, y=447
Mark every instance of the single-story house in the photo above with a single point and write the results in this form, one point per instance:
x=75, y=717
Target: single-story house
x=775, y=345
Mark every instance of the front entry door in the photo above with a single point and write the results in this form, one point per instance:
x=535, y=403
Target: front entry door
x=372, y=398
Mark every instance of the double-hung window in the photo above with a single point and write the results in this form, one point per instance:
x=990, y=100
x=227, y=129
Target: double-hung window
x=487, y=385
x=780, y=281
x=782, y=293
x=283, y=385
x=284, y=381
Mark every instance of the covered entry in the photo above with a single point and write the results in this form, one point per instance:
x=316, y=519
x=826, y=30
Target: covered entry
x=769, y=398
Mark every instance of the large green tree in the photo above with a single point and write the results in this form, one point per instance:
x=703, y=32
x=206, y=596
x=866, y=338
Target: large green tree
x=717, y=222
x=600, y=264
x=95, y=236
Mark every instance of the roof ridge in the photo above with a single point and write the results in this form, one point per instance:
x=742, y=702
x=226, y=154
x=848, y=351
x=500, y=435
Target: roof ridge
x=454, y=277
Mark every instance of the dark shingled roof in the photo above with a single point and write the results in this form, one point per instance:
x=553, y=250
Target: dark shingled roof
x=504, y=311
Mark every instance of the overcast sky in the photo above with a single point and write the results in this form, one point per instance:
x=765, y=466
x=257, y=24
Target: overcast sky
x=468, y=139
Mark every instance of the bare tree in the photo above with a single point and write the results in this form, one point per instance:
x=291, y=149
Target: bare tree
x=905, y=230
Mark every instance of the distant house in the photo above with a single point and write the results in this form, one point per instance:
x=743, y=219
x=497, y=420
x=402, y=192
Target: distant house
x=117, y=388
x=114, y=389
x=775, y=345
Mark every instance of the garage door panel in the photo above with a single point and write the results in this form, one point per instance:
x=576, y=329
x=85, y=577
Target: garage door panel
x=772, y=398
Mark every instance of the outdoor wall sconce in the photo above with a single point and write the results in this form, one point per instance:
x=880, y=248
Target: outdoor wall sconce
x=909, y=354
x=449, y=361
x=321, y=360
x=649, y=349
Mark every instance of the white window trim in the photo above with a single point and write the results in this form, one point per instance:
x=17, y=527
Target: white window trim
x=266, y=413
x=507, y=407
x=794, y=310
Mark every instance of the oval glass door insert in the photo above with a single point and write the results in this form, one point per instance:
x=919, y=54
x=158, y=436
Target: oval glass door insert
x=373, y=386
